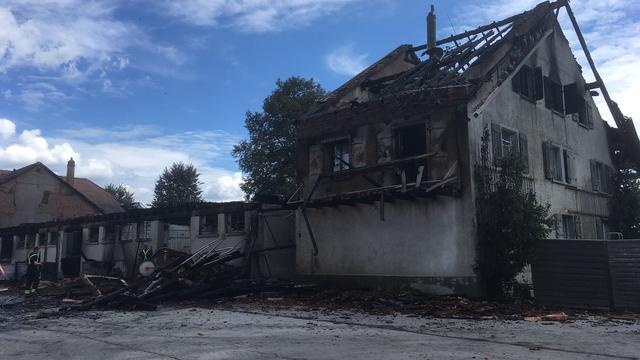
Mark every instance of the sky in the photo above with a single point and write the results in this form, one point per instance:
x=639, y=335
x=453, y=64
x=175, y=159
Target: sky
x=127, y=88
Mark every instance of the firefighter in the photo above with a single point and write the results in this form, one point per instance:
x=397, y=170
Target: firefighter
x=146, y=253
x=33, y=271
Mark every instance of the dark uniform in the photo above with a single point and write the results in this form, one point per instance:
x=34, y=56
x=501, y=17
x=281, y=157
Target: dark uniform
x=33, y=272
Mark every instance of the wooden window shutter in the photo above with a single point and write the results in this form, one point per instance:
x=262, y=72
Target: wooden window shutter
x=578, y=223
x=496, y=141
x=516, y=82
x=537, y=78
x=524, y=151
x=595, y=178
x=548, y=160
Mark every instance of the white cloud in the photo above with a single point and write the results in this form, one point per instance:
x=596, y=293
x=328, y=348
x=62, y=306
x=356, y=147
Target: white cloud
x=7, y=128
x=611, y=30
x=345, y=61
x=134, y=156
x=253, y=15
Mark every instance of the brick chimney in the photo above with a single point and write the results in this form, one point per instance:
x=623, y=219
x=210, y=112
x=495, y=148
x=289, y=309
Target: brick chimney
x=71, y=171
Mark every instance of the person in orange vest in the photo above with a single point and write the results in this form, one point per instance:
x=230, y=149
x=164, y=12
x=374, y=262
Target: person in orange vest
x=33, y=271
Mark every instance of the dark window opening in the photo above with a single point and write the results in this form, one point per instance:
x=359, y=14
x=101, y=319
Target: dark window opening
x=209, y=225
x=338, y=156
x=528, y=83
x=573, y=100
x=552, y=157
x=109, y=233
x=411, y=141
x=94, y=233
x=6, y=248
x=54, y=237
x=30, y=240
x=235, y=222
x=553, y=95
x=45, y=197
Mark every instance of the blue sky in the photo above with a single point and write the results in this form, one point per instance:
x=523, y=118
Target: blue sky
x=126, y=88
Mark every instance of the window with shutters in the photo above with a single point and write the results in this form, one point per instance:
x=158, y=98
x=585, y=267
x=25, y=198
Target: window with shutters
x=528, y=83
x=553, y=165
x=553, y=96
x=576, y=105
x=601, y=177
x=568, y=227
x=507, y=142
x=602, y=228
x=585, y=116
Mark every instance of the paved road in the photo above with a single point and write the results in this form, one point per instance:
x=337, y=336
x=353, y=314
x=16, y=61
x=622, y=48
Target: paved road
x=243, y=334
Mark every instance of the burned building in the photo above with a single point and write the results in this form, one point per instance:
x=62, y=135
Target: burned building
x=386, y=160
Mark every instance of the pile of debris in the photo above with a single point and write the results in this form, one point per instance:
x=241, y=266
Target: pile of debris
x=209, y=273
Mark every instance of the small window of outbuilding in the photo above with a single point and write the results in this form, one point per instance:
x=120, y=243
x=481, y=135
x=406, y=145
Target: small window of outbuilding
x=54, y=237
x=553, y=95
x=94, y=234
x=209, y=225
x=235, y=222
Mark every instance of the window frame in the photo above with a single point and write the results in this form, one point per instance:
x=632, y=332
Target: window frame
x=229, y=223
x=214, y=231
x=554, y=96
x=93, y=229
x=528, y=83
x=521, y=146
x=331, y=161
x=563, y=226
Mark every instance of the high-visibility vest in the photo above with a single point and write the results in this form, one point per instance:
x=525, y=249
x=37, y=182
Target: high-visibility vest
x=146, y=254
x=32, y=258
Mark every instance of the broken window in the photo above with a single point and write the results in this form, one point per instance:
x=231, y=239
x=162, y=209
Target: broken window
x=411, y=141
x=54, y=237
x=553, y=95
x=94, y=234
x=235, y=222
x=6, y=247
x=601, y=175
x=573, y=99
x=338, y=156
x=568, y=227
x=552, y=157
x=569, y=167
x=209, y=225
x=528, y=83
x=507, y=142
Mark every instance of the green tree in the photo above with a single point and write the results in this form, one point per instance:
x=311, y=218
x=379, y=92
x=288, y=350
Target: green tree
x=625, y=209
x=178, y=185
x=123, y=195
x=268, y=156
x=510, y=220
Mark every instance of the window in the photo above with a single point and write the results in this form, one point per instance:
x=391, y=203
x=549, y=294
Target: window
x=145, y=230
x=128, y=232
x=42, y=239
x=575, y=104
x=54, y=237
x=602, y=228
x=30, y=240
x=6, y=247
x=109, y=233
x=552, y=157
x=235, y=222
x=568, y=227
x=94, y=234
x=45, y=197
x=338, y=156
x=209, y=224
x=585, y=117
x=569, y=167
x=528, y=83
x=601, y=177
x=553, y=95
x=507, y=142
x=410, y=141
x=20, y=243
